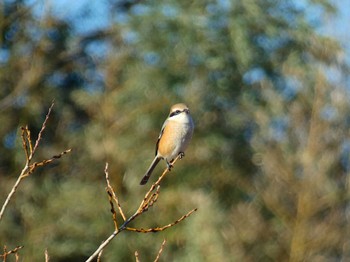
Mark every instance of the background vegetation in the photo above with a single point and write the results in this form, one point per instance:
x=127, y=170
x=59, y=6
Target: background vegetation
x=269, y=162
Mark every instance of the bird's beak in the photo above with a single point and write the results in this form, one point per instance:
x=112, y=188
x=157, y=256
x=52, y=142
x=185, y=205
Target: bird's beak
x=187, y=111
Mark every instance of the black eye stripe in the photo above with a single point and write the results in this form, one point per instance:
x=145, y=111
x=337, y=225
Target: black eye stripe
x=175, y=113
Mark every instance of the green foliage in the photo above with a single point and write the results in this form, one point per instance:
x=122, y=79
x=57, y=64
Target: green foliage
x=269, y=160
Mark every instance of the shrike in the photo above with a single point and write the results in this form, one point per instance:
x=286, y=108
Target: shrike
x=173, y=139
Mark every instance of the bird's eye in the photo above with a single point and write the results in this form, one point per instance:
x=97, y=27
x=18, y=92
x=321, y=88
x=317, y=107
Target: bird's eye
x=176, y=112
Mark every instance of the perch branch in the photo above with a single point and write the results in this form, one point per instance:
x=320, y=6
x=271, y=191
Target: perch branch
x=149, y=199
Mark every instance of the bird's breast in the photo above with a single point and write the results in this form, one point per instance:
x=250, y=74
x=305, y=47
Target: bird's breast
x=175, y=138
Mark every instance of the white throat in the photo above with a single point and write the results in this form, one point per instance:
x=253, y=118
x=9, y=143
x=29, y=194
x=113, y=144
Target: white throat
x=183, y=118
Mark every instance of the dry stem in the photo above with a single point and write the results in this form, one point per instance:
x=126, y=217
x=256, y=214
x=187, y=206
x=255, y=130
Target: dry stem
x=137, y=256
x=13, y=251
x=158, y=255
x=99, y=256
x=47, y=258
x=148, y=201
x=42, y=130
x=29, y=151
x=157, y=229
x=160, y=251
x=112, y=194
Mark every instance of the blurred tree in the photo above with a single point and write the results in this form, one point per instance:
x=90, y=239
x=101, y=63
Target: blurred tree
x=269, y=160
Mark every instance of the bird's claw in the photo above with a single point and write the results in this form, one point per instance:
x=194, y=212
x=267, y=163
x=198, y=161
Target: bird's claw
x=169, y=165
x=181, y=155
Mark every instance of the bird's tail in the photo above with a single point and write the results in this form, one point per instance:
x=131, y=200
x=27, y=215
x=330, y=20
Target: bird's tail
x=149, y=171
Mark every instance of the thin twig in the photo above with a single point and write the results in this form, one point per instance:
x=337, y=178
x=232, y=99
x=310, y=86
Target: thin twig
x=158, y=229
x=13, y=251
x=33, y=166
x=99, y=256
x=43, y=126
x=47, y=258
x=29, y=153
x=13, y=190
x=26, y=171
x=113, y=193
x=114, y=214
x=137, y=256
x=24, y=135
x=102, y=246
x=160, y=251
x=154, y=197
x=149, y=199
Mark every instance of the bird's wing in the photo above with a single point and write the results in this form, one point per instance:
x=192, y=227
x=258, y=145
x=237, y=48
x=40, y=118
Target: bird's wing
x=160, y=135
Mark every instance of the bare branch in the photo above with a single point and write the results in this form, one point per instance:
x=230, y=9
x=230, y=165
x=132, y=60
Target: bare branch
x=29, y=168
x=13, y=251
x=157, y=229
x=111, y=191
x=114, y=214
x=43, y=126
x=137, y=256
x=148, y=201
x=99, y=256
x=33, y=166
x=160, y=251
x=102, y=246
x=13, y=190
x=47, y=258
x=25, y=135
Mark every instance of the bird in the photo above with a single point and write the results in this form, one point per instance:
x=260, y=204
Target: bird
x=173, y=138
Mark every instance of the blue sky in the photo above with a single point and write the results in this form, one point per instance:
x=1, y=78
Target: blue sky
x=90, y=15
x=339, y=26
x=97, y=15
